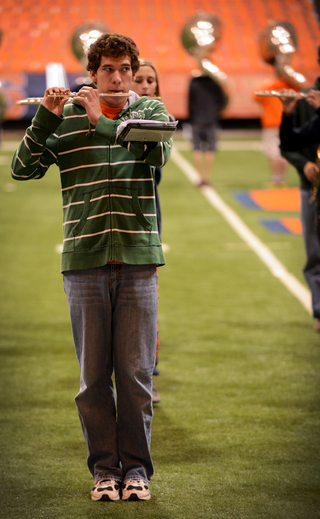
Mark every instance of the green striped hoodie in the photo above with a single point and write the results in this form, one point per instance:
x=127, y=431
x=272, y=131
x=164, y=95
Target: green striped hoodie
x=109, y=211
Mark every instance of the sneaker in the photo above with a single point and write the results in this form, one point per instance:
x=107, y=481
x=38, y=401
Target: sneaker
x=275, y=184
x=155, y=395
x=135, y=490
x=204, y=183
x=106, y=490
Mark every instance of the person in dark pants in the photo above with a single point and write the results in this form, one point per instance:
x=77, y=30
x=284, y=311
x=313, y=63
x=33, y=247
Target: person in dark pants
x=300, y=149
x=205, y=103
x=146, y=83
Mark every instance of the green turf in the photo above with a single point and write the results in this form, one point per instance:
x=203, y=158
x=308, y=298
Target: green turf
x=236, y=434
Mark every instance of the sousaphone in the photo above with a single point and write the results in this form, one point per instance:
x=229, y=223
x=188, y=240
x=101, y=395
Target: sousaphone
x=199, y=38
x=278, y=43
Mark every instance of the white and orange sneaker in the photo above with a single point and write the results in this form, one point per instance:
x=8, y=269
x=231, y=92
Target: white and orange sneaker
x=106, y=489
x=135, y=490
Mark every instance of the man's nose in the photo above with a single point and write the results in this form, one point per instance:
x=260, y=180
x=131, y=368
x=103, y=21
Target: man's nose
x=116, y=78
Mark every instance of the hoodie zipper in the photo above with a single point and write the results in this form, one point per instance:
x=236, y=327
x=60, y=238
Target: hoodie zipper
x=109, y=187
x=109, y=190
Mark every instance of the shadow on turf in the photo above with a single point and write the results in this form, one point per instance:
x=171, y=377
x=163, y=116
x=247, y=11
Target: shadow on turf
x=173, y=445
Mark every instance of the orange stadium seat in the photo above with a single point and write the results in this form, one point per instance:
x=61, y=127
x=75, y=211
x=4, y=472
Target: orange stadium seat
x=39, y=33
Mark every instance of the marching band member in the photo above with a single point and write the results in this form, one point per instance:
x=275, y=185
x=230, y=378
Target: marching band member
x=110, y=255
x=146, y=83
x=303, y=156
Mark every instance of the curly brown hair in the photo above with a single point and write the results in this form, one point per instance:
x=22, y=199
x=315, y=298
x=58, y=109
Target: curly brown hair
x=112, y=45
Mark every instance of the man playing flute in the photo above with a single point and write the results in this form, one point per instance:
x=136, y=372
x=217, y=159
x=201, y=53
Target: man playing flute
x=299, y=147
x=111, y=250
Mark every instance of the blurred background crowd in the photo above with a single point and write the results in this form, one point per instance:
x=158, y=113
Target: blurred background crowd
x=34, y=35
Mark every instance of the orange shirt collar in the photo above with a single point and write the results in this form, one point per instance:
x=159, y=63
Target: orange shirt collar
x=111, y=112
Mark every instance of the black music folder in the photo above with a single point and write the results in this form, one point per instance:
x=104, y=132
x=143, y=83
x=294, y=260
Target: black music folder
x=144, y=130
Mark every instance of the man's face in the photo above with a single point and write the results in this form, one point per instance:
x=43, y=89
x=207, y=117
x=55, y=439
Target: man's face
x=113, y=76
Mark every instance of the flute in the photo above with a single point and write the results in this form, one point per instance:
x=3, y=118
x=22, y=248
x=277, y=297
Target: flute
x=274, y=93
x=71, y=95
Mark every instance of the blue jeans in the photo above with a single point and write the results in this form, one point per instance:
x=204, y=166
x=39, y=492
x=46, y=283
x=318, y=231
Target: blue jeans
x=113, y=313
x=311, y=270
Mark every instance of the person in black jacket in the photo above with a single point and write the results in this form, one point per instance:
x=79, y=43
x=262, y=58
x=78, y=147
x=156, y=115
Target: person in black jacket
x=300, y=149
x=206, y=101
x=293, y=138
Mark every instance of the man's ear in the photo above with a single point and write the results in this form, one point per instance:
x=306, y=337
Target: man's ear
x=93, y=76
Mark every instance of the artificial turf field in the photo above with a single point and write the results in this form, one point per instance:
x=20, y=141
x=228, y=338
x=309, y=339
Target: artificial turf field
x=236, y=434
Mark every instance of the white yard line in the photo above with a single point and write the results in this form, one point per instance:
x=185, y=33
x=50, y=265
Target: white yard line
x=262, y=251
x=230, y=145
x=9, y=145
x=5, y=161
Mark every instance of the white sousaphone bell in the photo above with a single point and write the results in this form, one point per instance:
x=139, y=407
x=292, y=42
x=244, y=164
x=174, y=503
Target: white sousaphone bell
x=278, y=43
x=199, y=37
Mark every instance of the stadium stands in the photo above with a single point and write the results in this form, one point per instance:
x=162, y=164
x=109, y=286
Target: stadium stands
x=37, y=33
